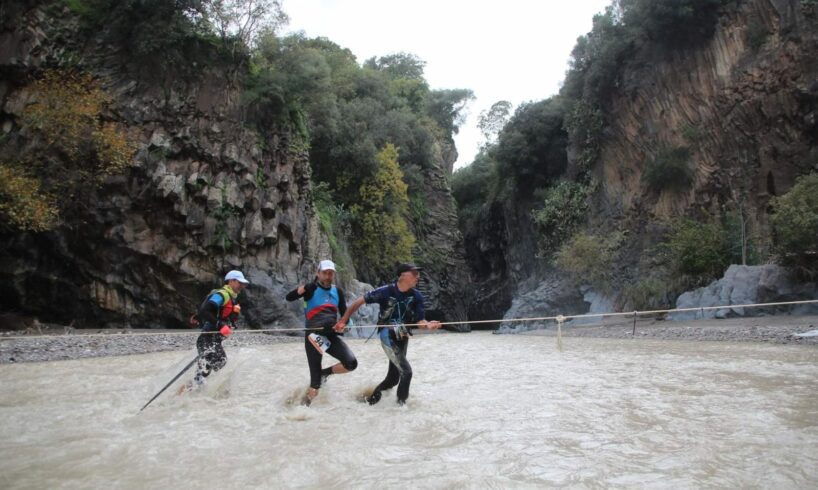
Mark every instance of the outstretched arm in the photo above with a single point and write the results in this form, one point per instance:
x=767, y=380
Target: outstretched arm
x=351, y=309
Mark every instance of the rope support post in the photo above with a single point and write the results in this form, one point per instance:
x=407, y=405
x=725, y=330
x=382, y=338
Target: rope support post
x=560, y=319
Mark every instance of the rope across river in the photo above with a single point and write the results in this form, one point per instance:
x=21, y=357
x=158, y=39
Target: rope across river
x=559, y=319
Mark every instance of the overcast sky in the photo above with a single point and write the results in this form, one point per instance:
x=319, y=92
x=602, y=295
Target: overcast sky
x=515, y=50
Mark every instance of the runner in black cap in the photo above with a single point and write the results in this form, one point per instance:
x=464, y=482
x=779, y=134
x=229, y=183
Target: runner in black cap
x=400, y=303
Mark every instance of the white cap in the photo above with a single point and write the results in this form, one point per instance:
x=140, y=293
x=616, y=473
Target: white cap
x=326, y=265
x=237, y=275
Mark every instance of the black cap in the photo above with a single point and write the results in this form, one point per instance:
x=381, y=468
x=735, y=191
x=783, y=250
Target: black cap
x=408, y=267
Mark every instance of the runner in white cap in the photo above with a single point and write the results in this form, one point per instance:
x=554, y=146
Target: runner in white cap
x=323, y=303
x=214, y=316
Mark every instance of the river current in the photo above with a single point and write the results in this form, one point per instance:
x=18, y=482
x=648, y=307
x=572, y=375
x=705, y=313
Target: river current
x=485, y=411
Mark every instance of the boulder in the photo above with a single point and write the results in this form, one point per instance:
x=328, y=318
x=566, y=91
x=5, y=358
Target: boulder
x=746, y=285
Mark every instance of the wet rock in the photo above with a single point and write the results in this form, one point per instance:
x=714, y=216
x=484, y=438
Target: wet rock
x=744, y=285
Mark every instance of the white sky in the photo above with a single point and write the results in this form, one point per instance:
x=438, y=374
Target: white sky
x=515, y=50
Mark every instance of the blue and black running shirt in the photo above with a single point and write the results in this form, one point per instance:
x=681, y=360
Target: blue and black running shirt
x=397, y=307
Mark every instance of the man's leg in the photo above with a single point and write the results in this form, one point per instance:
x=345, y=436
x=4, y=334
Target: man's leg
x=314, y=361
x=341, y=351
x=204, y=345
x=211, y=358
x=405, y=371
x=393, y=375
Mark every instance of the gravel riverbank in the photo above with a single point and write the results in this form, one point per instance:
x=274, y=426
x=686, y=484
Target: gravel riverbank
x=782, y=329
x=56, y=345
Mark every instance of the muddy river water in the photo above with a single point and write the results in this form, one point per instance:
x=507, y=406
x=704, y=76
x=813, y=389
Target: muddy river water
x=485, y=411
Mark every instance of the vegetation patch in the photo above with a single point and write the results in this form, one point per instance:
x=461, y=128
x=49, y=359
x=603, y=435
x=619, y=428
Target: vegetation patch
x=563, y=209
x=795, y=224
x=23, y=205
x=78, y=149
x=669, y=170
x=590, y=259
x=698, y=252
x=335, y=222
x=382, y=235
x=649, y=293
x=756, y=34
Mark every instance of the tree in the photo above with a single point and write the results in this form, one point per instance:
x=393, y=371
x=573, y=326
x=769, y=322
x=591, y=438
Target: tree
x=67, y=150
x=448, y=108
x=531, y=147
x=493, y=120
x=383, y=233
x=243, y=19
x=398, y=65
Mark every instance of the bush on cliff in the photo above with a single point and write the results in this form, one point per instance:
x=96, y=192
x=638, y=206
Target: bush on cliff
x=698, y=252
x=530, y=150
x=563, y=209
x=669, y=169
x=382, y=235
x=78, y=150
x=795, y=224
x=590, y=259
x=23, y=206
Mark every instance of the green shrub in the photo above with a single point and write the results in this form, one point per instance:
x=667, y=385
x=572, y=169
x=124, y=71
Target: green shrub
x=697, y=251
x=668, y=170
x=584, y=124
x=650, y=293
x=756, y=34
x=589, y=259
x=23, y=206
x=335, y=222
x=693, y=134
x=530, y=151
x=563, y=209
x=795, y=223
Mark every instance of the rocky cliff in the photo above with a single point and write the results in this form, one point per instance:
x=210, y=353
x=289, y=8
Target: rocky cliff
x=204, y=194
x=446, y=277
x=745, y=105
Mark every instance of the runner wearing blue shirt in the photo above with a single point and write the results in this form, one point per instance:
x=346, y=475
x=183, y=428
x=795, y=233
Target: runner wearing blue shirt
x=323, y=302
x=400, y=303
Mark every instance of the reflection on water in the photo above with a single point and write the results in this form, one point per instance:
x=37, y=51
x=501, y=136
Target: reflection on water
x=484, y=411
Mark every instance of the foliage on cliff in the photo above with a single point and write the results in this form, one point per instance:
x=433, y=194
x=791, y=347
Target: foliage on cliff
x=382, y=235
x=163, y=39
x=347, y=113
x=341, y=111
x=79, y=149
x=795, y=224
x=722, y=223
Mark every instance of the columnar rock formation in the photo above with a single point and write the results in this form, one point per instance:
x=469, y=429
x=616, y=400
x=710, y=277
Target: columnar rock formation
x=205, y=194
x=744, y=104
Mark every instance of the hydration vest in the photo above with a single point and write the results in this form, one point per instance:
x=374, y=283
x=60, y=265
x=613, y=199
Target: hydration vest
x=398, y=311
x=227, y=306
